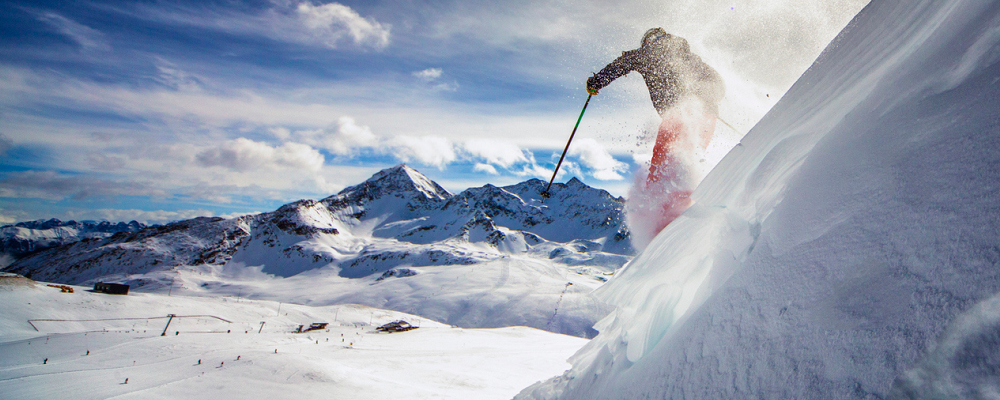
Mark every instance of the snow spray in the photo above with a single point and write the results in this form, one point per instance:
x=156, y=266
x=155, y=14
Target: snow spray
x=661, y=192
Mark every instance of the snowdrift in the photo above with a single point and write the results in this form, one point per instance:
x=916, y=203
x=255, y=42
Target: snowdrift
x=847, y=248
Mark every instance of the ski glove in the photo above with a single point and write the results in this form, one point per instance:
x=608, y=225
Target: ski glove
x=591, y=82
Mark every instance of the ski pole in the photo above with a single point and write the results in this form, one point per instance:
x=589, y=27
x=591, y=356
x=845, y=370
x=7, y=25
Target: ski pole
x=545, y=193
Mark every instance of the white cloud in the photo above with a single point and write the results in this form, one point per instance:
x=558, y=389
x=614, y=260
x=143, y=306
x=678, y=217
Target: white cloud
x=432, y=75
x=429, y=150
x=593, y=155
x=428, y=74
x=642, y=158
x=144, y=216
x=446, y=87
x=341, y=139
x=501, y=153
x=88, y=38
x=243, y=155
x=280, y=133
x=489, y=169
x=175, y=78
x=8, y=219
x=533, y=170
x=329, y=23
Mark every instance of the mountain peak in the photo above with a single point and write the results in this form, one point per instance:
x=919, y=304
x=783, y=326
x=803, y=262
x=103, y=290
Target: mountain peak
x=404, y=177
x=398, y=181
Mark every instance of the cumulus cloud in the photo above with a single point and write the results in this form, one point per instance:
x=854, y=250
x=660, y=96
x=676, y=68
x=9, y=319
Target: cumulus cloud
x=51, y=185
x=489, y=169
x=446, y=87
x=430, y=150
x=497, y=152
x=432, y=76
x=428, y=74
x=330, y=23
x=347, y=138
x=88, y=38
x=536, y=171
x=243, y=155
x=341, y=139
x=595, y=157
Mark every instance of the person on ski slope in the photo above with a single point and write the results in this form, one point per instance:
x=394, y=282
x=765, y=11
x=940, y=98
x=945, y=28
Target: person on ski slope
x=686, y=93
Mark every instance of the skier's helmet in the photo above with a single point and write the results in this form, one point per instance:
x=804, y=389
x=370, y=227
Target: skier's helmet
x=653, y=35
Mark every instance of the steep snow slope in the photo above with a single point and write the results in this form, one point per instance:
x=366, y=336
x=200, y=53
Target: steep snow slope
x=208, y=358
x=846, y=249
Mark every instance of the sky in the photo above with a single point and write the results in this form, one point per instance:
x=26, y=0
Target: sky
x=160, y=111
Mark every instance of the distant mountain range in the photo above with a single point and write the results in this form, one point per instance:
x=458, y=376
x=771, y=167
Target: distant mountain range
x=396, y=218
x=25, y=237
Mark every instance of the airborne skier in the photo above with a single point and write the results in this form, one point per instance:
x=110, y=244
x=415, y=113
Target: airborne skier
x=686, y=93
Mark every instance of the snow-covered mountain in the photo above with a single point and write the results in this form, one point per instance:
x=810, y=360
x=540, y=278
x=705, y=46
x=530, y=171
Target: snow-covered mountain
x=847, y=249
x=386, y=228
x=25, y=237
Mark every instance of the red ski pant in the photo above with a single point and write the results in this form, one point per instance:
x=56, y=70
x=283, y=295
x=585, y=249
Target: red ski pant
x=666, y=173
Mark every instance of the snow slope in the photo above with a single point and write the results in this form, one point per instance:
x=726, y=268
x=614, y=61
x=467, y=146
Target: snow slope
x=847, y=248
x=91, y=359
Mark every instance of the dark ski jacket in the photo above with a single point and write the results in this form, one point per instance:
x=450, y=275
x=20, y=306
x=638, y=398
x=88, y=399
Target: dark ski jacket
x=670, y=70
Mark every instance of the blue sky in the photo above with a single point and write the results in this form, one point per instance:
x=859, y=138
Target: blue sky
x=159, y=111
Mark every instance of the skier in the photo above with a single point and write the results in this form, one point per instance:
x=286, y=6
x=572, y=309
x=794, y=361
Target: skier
x=686, y=93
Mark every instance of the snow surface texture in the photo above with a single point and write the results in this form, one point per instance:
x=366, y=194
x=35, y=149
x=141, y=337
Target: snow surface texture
x=486, y=257
x=207, y=358
x=848, y=248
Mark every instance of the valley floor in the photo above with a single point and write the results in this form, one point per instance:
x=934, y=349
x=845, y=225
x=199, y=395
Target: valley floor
x=88, y=344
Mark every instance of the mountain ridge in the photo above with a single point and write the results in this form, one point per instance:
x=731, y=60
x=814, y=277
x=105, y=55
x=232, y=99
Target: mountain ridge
x=398, y=204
